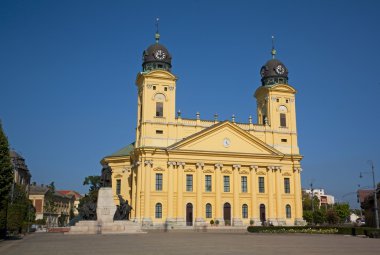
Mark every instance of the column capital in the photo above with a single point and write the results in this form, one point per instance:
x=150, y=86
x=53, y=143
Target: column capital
x=148, y=162
x=181, y=164
x=297, y=169
x=172, y=163
x=200, y=164
x=236, y=166
x=253, y=167
x=218, y=165
x=136, y=163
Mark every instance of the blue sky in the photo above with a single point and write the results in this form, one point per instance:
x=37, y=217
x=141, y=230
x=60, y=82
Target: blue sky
x=68, y=69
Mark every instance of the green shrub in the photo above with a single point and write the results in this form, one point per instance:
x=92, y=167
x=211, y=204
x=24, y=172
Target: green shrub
x=370, y=232
x=212, y=222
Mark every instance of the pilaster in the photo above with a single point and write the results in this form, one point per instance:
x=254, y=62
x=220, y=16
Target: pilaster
x=254, y=206
x=180, y=219
x=236, y=219
x=169, y=218
x=147, y=220
x=218, y=194
x=199, y=220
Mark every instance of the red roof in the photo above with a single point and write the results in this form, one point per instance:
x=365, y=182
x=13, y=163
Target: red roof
x=363, y=194
x=70, y=192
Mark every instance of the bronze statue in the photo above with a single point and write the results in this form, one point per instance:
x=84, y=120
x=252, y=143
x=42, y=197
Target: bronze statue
x=105, y=179
x=123, y=210
x=88, y=211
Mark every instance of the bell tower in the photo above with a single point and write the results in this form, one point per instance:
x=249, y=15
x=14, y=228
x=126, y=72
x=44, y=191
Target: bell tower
x=156, y=96
x=276, y=105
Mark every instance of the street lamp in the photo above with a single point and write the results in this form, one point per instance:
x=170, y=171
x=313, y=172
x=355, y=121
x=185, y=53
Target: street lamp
x=374, y=189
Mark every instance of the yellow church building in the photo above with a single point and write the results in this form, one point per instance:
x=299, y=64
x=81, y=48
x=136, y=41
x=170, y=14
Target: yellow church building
x=186, y=172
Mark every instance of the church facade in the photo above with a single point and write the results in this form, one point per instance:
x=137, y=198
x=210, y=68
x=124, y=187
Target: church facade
x=186, y=172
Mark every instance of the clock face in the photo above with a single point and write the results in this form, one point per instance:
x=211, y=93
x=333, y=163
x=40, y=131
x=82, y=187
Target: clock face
x=160, y=54
x=226, y=142
x=280, y=69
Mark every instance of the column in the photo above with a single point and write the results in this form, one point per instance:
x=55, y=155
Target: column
x=147, y=220
x=270, y=180
x=236, y=218
x=137, y=208
x=199, y=220
x=279, y=209
x=133, y=192
x=218, y=195
x=169, y=217
x=254, y=205
x=180, y=218
x=297, y=197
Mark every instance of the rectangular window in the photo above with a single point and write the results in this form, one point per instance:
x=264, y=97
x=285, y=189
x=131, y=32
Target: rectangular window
x=282, y=119
x=287, y=185
x=189, y=182
x=226, y=183
x=261, y=185
x=208, y=186
x=244, y=184
x=284, y=140
x=159, y=132
x=158, y=182
x=118, y=186
x=159, y=109
x=208, y=211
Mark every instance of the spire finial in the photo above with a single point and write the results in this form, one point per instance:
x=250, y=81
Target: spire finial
x=273, y=49
x=157, y=36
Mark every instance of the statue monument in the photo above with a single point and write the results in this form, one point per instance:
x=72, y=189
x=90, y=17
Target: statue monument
x=107, y=218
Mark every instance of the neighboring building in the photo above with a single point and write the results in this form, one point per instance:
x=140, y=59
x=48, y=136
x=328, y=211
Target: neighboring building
x=324, y=199
x=77, y=197
x=22, y=175
x=54, y=207
x=367, y=203
x=182, y=171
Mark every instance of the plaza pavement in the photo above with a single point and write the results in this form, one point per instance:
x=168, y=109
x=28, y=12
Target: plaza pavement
x=190, y=243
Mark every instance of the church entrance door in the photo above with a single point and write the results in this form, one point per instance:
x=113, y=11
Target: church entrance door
x=227, y=214
x=189, y=214
x=262, y=213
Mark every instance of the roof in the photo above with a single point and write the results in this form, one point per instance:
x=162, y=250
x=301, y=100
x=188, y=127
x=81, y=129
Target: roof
x=363, y=194
x=125, y=151
x=38, y=189
x=70, y=193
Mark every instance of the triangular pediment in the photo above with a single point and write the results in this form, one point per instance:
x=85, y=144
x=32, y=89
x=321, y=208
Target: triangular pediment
x=225, y=137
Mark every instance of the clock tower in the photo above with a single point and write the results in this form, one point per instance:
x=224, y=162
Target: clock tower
x=276, y=103
x=156, y=97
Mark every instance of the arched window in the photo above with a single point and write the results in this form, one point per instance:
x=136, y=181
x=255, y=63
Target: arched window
x=283, y=110
x=159, y=98
x=158, y=211
x=288, y=211
x=208, y=211
x=244, y=210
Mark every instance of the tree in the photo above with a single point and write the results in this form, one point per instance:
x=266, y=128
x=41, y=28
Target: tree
x=343, y=211
x=6, y=179
x=319, y=216
x=306, y=201
x=50, y=206
x=94, y=182
x=92, y=196
x=332, y=217
x=20, y=211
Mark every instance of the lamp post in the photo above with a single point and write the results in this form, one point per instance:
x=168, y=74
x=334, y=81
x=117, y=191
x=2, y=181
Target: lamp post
x=375, y=190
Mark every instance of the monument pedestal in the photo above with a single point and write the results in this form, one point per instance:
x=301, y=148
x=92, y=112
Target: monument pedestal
x=105, y=224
